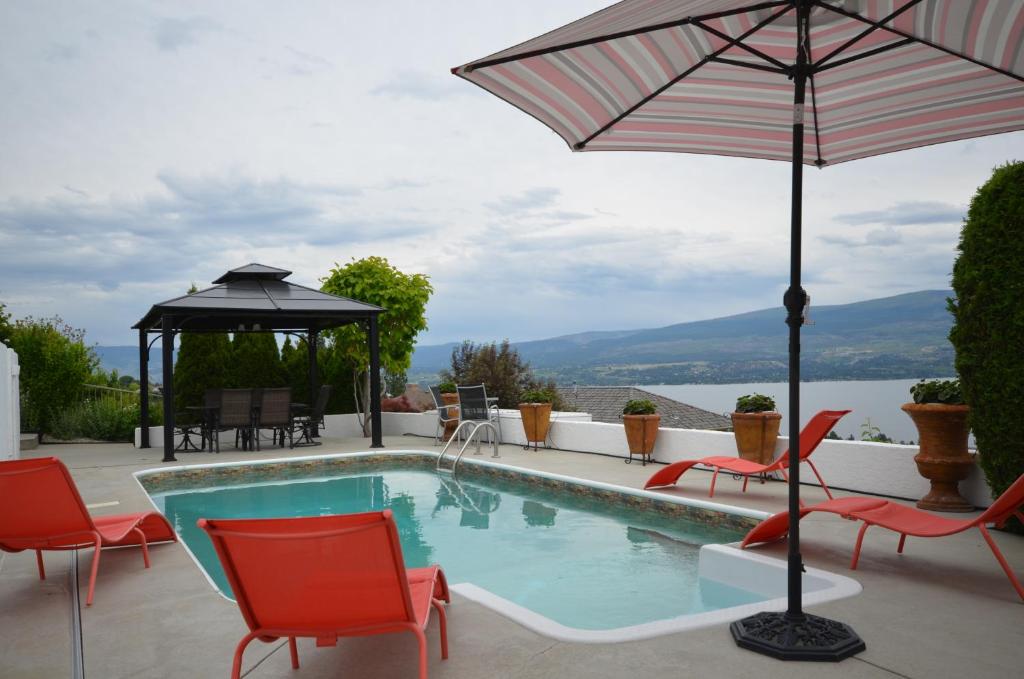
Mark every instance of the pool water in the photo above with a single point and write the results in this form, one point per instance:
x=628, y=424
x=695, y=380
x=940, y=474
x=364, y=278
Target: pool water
x=569, y=558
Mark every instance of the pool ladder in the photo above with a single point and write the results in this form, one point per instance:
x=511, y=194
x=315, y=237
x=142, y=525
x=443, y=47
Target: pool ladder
x=456, y=436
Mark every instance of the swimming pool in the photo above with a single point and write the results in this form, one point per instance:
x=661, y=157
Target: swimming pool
x=569, y=559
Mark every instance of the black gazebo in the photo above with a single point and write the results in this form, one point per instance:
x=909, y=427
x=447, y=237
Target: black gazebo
x=252, y=298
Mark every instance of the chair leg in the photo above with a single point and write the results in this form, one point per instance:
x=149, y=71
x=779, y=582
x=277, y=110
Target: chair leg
x=39, y=563
x=442, y=620
x=856, y=550
x=422, y=639
x=1002, y=561
x=820, y=480
x=903, y=540
x=95, y=568
x=294, y=650
x=144, y=545
x=714, y=478
x=236, y=665
x=746, y=478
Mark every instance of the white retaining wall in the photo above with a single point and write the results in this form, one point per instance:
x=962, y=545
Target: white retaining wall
x=858, y=466
x=10, y=405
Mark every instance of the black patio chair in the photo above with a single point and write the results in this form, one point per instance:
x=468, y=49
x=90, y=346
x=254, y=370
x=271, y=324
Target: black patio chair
x=310, y=424
x=474, y=406
x=236, y=413
x=211, y=414
x=275, y=413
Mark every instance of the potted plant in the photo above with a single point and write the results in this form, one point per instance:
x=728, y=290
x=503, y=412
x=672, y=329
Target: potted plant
x=535, y=409
x=755, y=424
x=450, y=397
x=640, y=420
x=940, y=415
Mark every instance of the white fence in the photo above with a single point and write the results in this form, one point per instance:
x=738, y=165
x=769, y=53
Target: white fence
x=10, y=405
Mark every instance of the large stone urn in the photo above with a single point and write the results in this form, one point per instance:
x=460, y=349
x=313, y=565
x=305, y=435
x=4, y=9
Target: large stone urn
x=943, y=458
x=756, y=435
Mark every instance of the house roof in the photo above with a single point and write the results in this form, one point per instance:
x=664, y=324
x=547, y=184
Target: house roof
x=256, y=297
x=605, y=405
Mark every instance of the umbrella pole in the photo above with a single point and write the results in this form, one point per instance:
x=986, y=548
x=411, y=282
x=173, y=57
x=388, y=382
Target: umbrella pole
x=795, y=635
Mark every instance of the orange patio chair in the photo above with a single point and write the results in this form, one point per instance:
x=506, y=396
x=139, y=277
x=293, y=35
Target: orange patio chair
x=905, y=521
x=810, y=436
x=40, y=509
x=326, y=577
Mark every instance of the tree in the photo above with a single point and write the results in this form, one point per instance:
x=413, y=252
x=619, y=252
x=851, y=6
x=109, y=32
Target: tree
x=255, y=361
x=988, y=324
x=203, y=363
x=55, y=363
x=5, y=324
x=403, y=296
x=499, y=368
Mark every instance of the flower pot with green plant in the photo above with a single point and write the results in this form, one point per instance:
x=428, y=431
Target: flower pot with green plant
x=535, y=409
x=755, y=424
x=940, y=415
x=641, y=421
x=450, y=397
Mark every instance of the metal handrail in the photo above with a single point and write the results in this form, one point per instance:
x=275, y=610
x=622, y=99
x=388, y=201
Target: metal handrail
x=469, y=439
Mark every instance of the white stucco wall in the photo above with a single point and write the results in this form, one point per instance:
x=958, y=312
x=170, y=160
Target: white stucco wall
x=858, y=466
x=10, y=405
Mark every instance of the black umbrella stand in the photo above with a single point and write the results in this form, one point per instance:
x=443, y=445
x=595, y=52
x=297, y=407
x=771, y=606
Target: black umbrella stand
x=793, y=634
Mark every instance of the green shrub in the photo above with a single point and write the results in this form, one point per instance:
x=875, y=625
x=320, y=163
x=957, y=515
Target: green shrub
x=639, y=406
x=540, y=395
x=447, y=387
x=938, y=391
x=103, y=419
x=755, y=403
x=988, y=324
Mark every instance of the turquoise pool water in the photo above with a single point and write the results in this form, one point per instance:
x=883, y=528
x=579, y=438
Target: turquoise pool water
x=572, y=559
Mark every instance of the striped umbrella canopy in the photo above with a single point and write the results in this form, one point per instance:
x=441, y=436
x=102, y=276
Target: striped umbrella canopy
x=814, y=82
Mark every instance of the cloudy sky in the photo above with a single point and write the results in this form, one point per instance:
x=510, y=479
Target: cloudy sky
x=147, y=145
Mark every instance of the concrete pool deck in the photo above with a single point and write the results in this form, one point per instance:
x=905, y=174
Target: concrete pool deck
x=944, y=608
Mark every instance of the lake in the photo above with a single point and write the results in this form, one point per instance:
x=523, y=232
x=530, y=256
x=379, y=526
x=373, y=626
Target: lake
x=877, y=400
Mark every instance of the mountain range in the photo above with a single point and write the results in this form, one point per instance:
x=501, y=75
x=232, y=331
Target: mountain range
x=904, y=336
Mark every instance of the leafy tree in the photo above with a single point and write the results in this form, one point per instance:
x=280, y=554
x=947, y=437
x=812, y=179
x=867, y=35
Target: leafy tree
x=500, y=369
x=988, y=324
x=255, y=361
x=203, y=363
x=55, y=363
x=403, y=296
x=5, y=324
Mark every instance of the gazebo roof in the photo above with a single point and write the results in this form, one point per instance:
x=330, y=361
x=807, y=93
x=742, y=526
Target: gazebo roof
x=256, y=297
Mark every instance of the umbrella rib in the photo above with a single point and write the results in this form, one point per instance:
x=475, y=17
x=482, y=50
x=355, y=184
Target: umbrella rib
x=744, y=46
x=923, y=41
x=784, y=70
x=497, y=61
x=865, y=55
x=868, y=31
x=578, y=146
x=820, y=162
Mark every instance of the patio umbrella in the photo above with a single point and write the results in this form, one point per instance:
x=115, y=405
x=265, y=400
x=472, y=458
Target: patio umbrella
x=815, y=82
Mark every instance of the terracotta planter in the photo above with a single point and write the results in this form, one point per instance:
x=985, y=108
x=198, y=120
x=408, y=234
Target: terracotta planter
x=450, y=427
x=536, y=421
x=756, y=435
x=641, y=433
x=943, y=458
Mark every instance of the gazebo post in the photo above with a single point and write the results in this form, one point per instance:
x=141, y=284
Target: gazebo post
x=314, y=372
x=375, y=419
x=143, y=389
x=167, y=342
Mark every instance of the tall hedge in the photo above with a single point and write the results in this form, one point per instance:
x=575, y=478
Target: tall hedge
x=203, y=363
x=988, y=323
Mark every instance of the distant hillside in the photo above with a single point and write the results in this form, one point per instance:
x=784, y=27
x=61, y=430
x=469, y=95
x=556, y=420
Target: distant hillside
x=125, y=360
x=894, y=337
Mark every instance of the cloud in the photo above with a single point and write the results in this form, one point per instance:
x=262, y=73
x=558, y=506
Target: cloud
x=884, y=237
x=170, y=33
x=58, y=52
x=421, y=85
x=528, y=200
x=902, y=214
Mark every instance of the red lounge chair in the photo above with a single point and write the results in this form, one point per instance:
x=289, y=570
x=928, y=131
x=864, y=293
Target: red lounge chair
x=326, y=577
x=810, y=436
x=905, y=521
x=40, y=509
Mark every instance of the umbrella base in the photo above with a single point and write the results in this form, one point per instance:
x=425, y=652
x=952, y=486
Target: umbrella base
x=803, y=637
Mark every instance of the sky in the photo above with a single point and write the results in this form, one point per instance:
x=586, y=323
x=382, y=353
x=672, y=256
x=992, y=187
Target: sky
x=145, y=146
